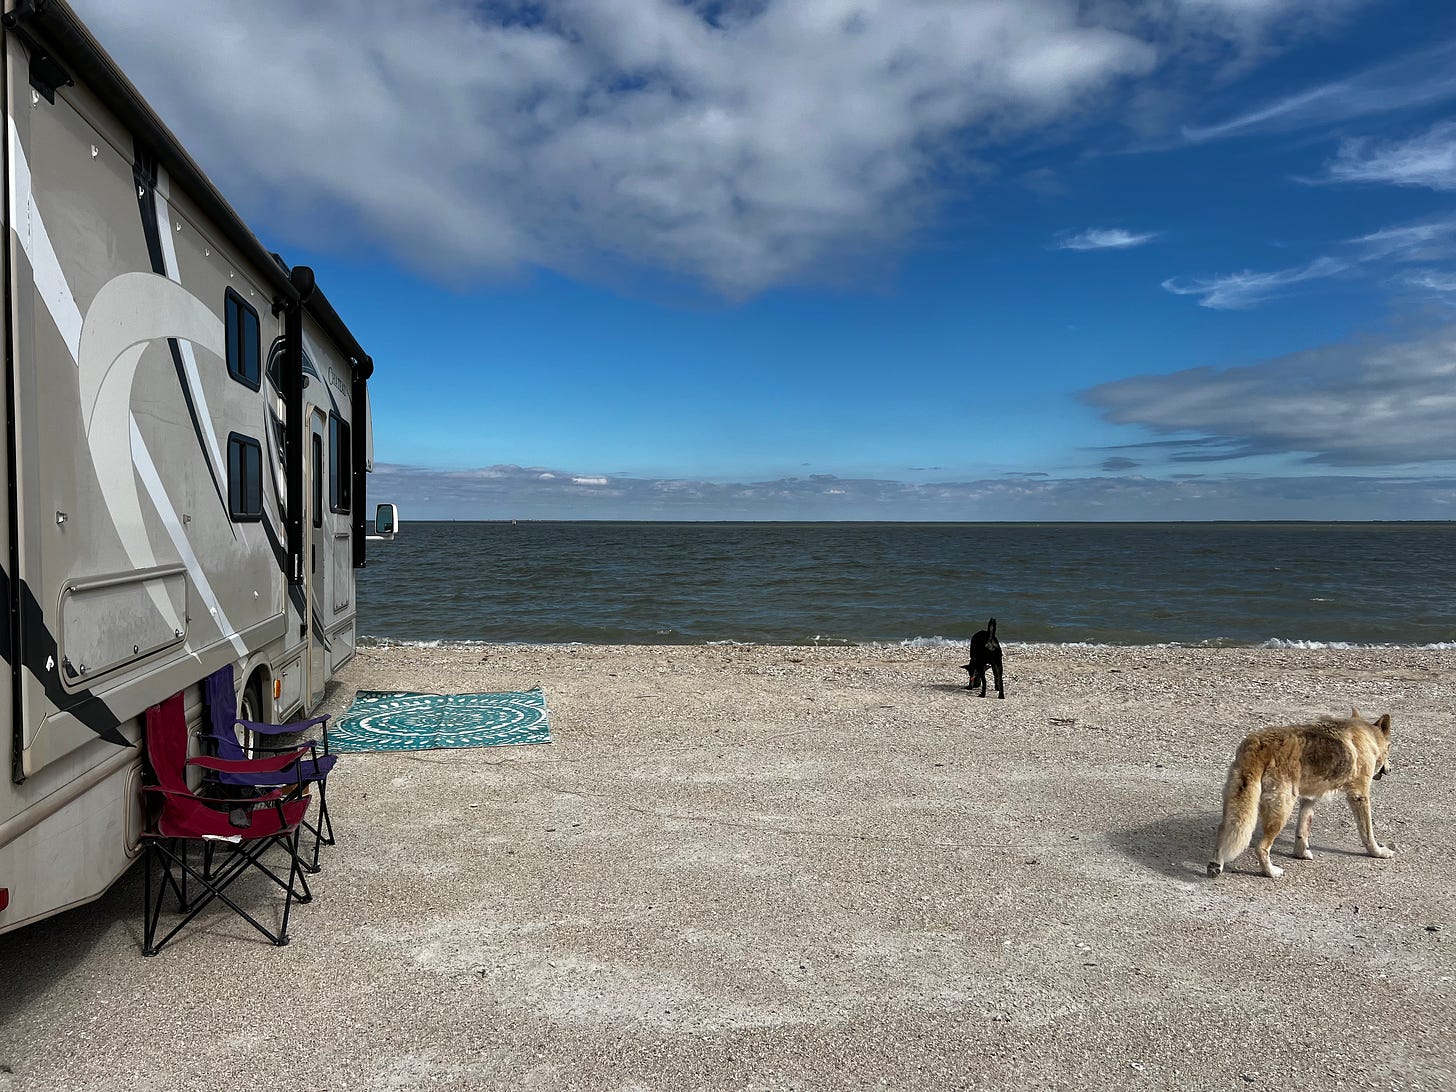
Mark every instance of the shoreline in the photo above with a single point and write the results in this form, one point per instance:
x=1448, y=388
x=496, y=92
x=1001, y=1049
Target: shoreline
x=925, y=643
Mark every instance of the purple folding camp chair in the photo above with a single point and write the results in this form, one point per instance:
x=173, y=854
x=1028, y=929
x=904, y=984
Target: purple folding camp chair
x=177, y=816
x=312, y=770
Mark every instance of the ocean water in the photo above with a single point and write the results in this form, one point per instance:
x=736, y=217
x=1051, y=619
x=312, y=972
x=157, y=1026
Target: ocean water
x=860, y=583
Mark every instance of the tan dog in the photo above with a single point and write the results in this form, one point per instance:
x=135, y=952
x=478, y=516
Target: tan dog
x=1274, y=767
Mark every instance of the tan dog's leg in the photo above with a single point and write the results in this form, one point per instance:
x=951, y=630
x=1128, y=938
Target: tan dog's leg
x=1301, y=829
x=1274, y=812
x=1360, y=805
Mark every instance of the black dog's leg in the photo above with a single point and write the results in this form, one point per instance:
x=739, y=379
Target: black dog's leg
x=996, y=667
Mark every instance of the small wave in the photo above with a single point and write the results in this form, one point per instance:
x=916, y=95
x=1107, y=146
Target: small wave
x=931, y=643
x=371, y=641
x=1281, y=642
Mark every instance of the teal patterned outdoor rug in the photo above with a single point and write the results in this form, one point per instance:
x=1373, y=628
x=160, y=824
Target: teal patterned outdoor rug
x=393, y=720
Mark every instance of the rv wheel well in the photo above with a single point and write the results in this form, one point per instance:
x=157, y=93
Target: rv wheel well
x=250, y=705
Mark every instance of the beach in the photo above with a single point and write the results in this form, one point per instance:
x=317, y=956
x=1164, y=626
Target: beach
x=780, y=867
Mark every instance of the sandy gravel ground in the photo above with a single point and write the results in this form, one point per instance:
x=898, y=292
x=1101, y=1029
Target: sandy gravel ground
x=807, y=868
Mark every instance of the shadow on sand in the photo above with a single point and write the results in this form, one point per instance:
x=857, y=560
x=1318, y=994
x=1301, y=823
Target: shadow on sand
x=35, y=956
x=1179, y=846
x=1176, y=845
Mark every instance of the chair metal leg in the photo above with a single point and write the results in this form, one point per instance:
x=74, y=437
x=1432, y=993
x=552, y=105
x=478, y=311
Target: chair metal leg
x=323, y=831
x=151, y=911
x=326, y=821
x=295, y=874
x=221, y=877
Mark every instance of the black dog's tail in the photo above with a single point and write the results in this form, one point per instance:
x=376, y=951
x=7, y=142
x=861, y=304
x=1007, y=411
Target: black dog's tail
x=991, y=627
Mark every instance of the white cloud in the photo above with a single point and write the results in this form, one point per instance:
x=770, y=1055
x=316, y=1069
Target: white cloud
x=1235, y=291
x=1418, y=80
x=1365, y=405
x=744, y=144
x=1427, y=160
x=1440, y=283
x=1105, y=239
x=1425, y=241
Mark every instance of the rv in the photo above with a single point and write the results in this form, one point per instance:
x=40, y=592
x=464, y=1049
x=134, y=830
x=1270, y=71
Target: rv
x=187, y=439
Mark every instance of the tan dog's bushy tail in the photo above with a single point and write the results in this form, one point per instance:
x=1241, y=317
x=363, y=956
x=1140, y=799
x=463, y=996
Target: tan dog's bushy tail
x=1240, y=815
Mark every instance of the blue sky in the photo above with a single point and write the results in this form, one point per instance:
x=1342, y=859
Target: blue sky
x=912, y=259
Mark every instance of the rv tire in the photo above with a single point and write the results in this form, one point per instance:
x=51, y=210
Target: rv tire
x=251, y=705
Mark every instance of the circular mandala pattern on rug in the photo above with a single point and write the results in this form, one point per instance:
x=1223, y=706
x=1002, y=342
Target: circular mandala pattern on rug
x=386, y=721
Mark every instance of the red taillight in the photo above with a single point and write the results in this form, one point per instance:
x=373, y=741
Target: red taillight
x=4, y=898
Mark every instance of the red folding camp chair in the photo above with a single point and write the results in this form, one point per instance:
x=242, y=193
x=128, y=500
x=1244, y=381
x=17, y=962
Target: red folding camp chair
x=177, y=816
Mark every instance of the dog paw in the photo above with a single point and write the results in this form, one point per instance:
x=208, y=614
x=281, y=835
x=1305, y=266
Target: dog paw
x=1303, y=853
x=1273, y=871
x=1383, y=851
x=1214, y=868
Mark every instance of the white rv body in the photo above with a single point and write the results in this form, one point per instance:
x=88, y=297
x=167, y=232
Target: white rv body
x=173, y=395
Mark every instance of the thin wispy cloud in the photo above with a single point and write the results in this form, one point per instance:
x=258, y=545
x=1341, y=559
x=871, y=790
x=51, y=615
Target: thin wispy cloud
x=1427, y=160
x=1423, y=79
x=1351, y=405
x=1438, y=283
x=1105, y=239
x=1431, y=242
x=1236, y=291
x=1424, y=241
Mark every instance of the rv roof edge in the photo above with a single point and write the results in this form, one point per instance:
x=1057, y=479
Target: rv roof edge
x=322, y=310
x=72, y=44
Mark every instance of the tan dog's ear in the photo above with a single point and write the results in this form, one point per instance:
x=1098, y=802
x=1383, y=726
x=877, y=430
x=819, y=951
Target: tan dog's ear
x=1354, y=713
x=1384, y=724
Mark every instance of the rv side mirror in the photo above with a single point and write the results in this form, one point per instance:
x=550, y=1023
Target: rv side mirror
x=386, y=520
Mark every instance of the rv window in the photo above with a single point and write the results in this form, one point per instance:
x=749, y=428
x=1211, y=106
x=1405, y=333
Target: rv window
x=339, y=463
x=243, y=358
x=245, y=478
x=318, y=480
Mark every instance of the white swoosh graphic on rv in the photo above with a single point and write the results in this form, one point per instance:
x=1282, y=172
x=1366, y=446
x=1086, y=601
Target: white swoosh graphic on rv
x=128, y=314
x=147, y=468
x=45, y=267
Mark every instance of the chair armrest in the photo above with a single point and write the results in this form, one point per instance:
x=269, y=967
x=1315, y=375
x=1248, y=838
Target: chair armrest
x=226, y=801
x=308, y=744
x=279, y=729
x=273, y=764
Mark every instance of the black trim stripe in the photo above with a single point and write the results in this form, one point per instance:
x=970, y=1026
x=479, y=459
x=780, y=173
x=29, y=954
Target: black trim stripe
x=39, y=649
x=144, y=170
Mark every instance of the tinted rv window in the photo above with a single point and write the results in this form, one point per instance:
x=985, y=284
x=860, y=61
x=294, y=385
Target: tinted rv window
x=339, y=452
x=318, y=480
x=243, y=358
x=245, y=478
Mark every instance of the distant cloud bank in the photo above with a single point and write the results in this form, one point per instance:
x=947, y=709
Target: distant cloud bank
x=513, y=492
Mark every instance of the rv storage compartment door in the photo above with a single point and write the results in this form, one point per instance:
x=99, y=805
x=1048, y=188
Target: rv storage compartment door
x=108, y=622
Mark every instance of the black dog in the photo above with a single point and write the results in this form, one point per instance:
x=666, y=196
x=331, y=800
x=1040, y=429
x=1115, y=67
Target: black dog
x=985, y=652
